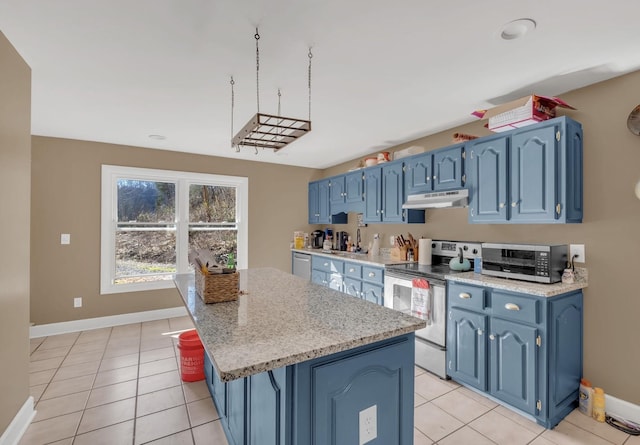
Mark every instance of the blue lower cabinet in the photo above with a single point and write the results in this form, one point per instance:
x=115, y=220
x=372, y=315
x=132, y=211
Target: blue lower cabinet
x=319, y=401
x=524, y=350
x=372, y=293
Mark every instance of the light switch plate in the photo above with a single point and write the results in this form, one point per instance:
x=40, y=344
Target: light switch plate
x=368, y=425
x=65, y=238
x=77, y=302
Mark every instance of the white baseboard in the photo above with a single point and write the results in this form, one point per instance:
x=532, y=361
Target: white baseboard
x=19, y=424
x=622, y=409
x=65, y=327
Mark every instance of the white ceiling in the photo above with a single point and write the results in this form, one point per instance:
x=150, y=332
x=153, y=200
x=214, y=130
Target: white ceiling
x=384, y=72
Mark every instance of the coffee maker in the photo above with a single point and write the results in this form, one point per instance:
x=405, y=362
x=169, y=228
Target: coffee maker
x=317, y=238
x=341, y=241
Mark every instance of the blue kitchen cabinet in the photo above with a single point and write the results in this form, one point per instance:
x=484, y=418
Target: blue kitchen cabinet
x=384, y=196
x=418, y=171
x=466, y=340
x=327, y=272
x=529, y=175
x=522, y=349
x=372, y=293
x=448, y=168
x=486, y=170
x=351, y=278
x=320, y=206
x=312, y=401
x=347, y=193
x=352, y=287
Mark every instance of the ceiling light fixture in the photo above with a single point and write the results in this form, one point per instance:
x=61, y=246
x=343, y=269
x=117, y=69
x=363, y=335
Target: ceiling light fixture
x=268, y=130
x=517, y=28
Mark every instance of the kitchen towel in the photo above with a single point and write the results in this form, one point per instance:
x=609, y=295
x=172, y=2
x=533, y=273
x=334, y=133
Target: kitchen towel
x=424, y=251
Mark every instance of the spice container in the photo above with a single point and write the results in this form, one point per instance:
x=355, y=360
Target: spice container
x=598, y=404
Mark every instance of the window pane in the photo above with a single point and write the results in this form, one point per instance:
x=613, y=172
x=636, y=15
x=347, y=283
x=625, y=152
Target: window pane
x=146, y=201
x=209, y=203
x=144, y=254
x=220, y=242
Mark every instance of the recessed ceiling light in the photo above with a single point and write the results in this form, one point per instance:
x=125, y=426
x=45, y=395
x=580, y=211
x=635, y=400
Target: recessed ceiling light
x=517, y=28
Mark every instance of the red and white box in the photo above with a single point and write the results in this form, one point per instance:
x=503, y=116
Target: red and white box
x=521, y=112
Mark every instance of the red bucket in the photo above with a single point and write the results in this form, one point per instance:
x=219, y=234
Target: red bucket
x=191, y=356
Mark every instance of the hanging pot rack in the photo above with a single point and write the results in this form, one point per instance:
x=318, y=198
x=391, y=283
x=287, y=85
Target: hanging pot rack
x=269, y=131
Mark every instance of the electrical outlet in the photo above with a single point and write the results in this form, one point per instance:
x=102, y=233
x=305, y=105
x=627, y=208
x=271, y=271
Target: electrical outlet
x=368, y=425
x=77, y=302
x=65, y=238
x=578, y=251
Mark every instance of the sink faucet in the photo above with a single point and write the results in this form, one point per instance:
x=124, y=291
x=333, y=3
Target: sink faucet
x=358, y=240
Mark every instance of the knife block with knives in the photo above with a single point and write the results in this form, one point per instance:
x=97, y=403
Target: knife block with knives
x=402, y=245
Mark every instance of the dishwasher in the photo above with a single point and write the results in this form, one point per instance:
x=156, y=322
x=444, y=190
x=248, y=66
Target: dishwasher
x=301, y=265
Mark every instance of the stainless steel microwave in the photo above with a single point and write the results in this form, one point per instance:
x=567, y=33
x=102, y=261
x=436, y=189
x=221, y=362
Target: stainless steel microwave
x=529, y=262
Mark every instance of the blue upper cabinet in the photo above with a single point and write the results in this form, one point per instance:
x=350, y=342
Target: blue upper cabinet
x=320, y=211
x=384, y=196
x=347, y=193
x=418, y=172
x=448, y=169
x=486, y=170
x=529, y=175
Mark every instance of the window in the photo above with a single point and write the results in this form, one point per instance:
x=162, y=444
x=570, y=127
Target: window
x=152, y=219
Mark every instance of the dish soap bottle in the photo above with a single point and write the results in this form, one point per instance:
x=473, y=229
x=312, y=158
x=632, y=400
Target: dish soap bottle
x=585, y=398
x=375, y=248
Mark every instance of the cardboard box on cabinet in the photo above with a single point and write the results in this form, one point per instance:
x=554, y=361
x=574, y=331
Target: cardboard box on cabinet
x=521, y=112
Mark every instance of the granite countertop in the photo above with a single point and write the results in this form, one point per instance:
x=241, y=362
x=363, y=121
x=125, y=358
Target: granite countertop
x=539, y=289
x=281, y=319
x=380, y=260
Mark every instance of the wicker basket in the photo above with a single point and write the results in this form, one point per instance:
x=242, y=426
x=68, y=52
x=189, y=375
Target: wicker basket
x=218, y=287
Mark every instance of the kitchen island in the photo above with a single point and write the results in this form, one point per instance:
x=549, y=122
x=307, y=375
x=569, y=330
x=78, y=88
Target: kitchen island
x=292, y=362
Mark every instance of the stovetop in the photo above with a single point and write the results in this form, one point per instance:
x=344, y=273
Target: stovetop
x=442, y=252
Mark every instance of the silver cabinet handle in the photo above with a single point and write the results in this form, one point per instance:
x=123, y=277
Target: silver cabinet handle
x=435, y=177
x=512, y=307
x=492, y=337
x=464, y=295
x=501, y=205
x=372, y=274
x=352, y=270
x=428, y=179
x=480, y=332
x=326, y=264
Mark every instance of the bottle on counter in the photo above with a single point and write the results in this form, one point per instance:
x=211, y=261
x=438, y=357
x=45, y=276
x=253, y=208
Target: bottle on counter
x=585, y=398
x=598, y=404
x=375, y=247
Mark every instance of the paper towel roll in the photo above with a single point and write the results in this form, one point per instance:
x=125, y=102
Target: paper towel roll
x=424, y=251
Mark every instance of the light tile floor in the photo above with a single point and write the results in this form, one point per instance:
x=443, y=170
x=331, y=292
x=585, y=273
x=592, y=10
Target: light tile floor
x=122, y=385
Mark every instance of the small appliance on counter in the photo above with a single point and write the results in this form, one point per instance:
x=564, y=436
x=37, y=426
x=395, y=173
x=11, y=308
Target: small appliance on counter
x=341, y=240
x=317, y=239
x=528, y=262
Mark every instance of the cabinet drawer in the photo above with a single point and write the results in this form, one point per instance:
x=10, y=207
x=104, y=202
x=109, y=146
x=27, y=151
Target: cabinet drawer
x=466, y=296
x=327, y=264
x=353, y=270
x=373, y=274
x=514, y=307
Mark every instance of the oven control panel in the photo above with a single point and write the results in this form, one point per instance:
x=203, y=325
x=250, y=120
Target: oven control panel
x=470, y=250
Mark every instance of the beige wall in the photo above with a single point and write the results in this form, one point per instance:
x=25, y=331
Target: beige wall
x=610, y=229
x=66, y=199
x=15, y=184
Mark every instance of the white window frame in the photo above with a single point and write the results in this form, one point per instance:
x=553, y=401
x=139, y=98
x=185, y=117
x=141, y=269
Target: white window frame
x=109, y=218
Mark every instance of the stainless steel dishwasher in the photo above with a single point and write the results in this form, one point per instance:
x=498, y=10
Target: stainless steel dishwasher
x=301, y=265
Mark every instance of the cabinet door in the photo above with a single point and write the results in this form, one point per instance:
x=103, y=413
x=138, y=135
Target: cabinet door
x=323, y=202
x=512, y=360
x=354, y=192
x=337, y=193
x=533, y=184
x=467, y=347
x=335, y=281
x=353, y=287
x=447, y=168
x=372, y=192
x=418, y=171
x=392, y=193
x=319, y=277
x=372, y=293
x=314, y=211
x=487, y=180
x=236, y=392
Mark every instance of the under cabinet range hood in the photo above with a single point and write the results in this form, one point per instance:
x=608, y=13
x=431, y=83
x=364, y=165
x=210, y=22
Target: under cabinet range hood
x=447, y=199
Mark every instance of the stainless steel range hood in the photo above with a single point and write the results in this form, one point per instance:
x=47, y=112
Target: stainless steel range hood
x=448, y=199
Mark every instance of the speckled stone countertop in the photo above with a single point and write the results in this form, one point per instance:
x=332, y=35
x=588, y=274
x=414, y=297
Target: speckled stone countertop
x=363, y=258
x=282, y=320
x=539, y=289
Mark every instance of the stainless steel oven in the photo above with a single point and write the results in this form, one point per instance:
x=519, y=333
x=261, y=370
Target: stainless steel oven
x=430, y=341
